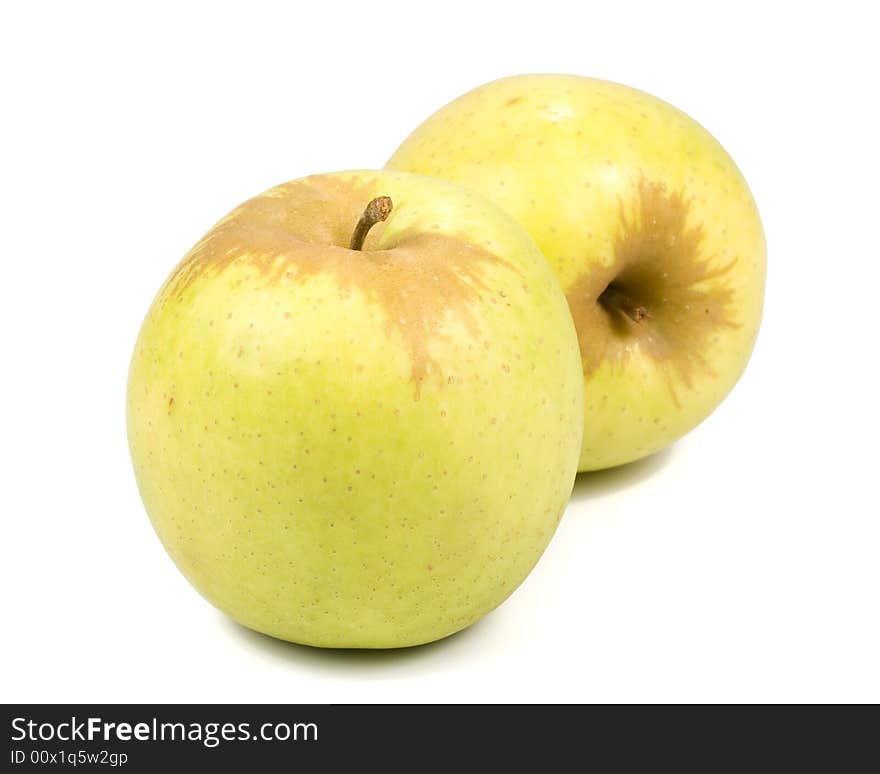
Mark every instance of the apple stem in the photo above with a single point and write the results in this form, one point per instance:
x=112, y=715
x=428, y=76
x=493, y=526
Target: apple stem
x=613, y=298
x=377, y=210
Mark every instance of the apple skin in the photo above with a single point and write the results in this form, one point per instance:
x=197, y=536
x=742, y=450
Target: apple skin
x=617, y=186
x=365, y=449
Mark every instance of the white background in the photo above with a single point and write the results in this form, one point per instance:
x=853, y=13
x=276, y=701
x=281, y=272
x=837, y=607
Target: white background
x=740, y=565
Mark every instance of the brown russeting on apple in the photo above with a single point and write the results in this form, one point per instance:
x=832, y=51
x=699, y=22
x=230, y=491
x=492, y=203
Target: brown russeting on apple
x=299, y=230
x=661, y=292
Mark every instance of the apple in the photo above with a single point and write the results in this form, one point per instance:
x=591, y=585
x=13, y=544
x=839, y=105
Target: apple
x=648, y=225
x=357, y=432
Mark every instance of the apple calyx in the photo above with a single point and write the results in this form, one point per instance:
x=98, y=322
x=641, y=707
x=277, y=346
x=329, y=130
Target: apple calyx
x=376, y=211
x=613, y=299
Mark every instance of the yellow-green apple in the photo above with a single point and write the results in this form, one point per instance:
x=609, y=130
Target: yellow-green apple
x=352, y=428
x=649, y=226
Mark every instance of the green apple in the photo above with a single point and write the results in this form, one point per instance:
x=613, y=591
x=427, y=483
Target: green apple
x=649, y=226
x=351, y=432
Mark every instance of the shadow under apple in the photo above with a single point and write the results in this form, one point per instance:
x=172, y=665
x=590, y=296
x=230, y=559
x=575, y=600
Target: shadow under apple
x=602, y=482
x=356, y=660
